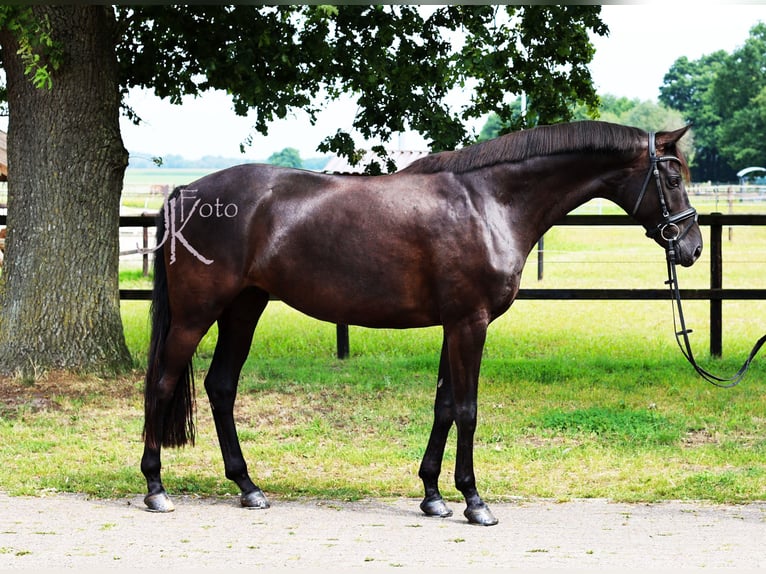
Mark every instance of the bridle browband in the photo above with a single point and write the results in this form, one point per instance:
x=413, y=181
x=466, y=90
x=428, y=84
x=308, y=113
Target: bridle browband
x=669, y=231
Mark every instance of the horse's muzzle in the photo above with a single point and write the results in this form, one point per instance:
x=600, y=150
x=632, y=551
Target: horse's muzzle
x=695, y=254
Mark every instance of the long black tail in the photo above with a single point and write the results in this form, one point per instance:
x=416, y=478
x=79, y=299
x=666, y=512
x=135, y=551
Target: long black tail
x=175, y=426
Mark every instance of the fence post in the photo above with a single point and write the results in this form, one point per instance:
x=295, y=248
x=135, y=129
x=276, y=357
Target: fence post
x=341, y=333
x=716, y=282
x=145, y=256
x=540, y=254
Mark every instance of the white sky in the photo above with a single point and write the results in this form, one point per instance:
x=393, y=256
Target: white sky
x=643, y=42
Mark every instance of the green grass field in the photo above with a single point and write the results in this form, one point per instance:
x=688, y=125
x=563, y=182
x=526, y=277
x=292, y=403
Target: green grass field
x=577, y=399
x=163, y=176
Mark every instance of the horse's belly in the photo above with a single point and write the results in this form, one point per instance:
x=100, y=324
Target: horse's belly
x=366, y=307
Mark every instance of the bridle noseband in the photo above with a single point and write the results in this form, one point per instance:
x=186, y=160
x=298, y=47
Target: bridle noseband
x=668, y=230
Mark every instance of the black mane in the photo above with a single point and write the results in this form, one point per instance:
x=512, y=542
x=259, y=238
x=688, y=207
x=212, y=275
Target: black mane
x=589, y=136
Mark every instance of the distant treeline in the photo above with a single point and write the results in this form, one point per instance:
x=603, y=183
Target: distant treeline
x=145, y=160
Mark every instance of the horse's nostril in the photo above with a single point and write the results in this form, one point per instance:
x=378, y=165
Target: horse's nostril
x=697, y=251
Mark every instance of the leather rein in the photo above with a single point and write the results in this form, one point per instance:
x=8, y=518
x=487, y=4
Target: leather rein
x=669, y=231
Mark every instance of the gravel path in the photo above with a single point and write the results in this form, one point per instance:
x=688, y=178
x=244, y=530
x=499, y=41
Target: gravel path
x=66, y=531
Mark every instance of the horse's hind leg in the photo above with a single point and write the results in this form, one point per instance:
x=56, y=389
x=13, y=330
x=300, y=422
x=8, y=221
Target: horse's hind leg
x=179, y=350
x=235, y=334
x=433, y=504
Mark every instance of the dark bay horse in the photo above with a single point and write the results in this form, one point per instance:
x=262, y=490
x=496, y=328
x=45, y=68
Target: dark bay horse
x=442, y=242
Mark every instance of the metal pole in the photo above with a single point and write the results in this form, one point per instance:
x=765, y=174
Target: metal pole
x=540, y=251
x=716, y=282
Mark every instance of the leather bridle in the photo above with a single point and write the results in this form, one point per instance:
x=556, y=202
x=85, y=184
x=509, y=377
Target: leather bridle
x=669, y=230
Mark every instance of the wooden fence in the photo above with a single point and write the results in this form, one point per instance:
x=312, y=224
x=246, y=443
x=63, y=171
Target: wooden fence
x=716, y=294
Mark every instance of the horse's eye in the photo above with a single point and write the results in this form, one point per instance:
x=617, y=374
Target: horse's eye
x=674, y=181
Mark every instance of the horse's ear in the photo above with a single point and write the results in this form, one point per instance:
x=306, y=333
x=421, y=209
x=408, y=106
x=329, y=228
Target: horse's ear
x=671, y=138
x=668, y=144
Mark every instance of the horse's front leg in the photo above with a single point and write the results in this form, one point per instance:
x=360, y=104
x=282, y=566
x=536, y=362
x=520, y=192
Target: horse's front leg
x=433, y=504
x=465, y=343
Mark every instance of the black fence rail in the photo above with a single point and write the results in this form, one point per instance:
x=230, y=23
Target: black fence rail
x=715, y=294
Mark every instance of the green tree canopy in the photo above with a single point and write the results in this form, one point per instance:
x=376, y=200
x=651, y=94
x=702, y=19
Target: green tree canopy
x=644, y=114
x=69, y=67
x=720, y=94
x=739, y=99
x=399, y=62
x=288, y=157
x=743, y=137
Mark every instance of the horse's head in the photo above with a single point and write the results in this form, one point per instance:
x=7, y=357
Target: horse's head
x=662, y=205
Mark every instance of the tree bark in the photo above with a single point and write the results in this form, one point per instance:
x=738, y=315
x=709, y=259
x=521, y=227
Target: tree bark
x=59, y=296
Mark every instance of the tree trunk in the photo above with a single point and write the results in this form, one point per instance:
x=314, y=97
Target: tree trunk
x=59, y=300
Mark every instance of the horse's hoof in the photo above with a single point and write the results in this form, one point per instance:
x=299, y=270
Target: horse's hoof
x=159, y=502
x=255, y=499
x=480, y=515
x=436, y=508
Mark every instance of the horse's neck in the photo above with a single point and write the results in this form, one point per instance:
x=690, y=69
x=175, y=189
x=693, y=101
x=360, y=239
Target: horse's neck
x=537, y=197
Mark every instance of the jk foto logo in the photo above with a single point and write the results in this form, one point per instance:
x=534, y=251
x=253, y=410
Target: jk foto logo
x=181, y=209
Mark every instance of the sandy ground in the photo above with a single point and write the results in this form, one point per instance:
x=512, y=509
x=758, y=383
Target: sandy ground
x=66, y=532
